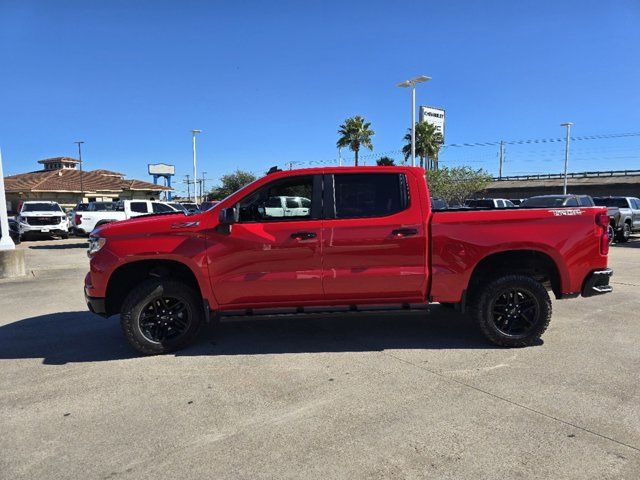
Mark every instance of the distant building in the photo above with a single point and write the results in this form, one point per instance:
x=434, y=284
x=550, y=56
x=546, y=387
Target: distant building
x=611, y=183
x=61, y=181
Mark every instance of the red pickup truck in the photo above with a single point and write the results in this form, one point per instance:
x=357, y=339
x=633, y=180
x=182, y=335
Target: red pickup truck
x=343, y=238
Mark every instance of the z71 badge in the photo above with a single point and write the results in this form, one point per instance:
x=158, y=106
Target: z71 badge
x=566, y=212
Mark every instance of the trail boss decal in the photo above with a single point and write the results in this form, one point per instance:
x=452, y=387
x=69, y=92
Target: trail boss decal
x=566, y=212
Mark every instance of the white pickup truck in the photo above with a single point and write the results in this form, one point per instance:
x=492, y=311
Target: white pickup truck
x=42, y=218
x=99, y=213
x=280, y=207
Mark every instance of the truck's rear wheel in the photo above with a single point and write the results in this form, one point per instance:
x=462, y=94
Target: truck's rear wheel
x=161, y=316
x=625, y=233
x=513, y=311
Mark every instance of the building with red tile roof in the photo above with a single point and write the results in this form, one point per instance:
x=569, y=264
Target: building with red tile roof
x=62, y=181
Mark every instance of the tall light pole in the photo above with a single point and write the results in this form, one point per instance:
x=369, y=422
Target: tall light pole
x=412, y=83
x=79, y=143
x=195, y=168
x=566, y=153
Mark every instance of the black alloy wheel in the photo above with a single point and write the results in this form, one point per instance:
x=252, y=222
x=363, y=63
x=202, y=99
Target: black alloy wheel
x=164, y=319
x=515, y=312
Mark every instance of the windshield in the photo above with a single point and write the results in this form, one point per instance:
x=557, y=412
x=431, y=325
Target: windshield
x=178, y=206
x=41, y=207
x=611, y=202
x=479, y=203
x=102, y=206
x=545, y=202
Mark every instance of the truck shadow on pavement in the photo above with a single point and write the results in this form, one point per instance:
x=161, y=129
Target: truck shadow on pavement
x=634, y=242
x=73, y=337
x=60, y=246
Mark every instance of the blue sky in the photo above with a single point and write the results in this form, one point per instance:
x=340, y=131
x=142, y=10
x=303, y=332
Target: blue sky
x=269, y=82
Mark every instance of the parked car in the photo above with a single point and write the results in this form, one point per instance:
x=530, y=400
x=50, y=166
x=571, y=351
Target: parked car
x=624, y=215
x=367, y=238
x=178, y=206
x=42, y=218
x=14, y=231
x=204, y=206
x=100, y=213
x=191, y=207
x=439, y=204
x=553, y=201
x=489, y=203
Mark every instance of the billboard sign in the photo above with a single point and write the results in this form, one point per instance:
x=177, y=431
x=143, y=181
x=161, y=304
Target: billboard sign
x=433, y=116
x=161, y=169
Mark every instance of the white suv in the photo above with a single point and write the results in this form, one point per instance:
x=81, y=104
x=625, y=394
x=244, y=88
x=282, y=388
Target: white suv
x=42, y=218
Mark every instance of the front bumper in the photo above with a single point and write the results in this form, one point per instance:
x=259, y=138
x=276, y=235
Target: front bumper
x=597, y=283
x=96, y=305
x=58, y=229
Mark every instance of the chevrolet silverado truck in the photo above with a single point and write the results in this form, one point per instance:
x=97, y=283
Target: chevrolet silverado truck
x=369, y=239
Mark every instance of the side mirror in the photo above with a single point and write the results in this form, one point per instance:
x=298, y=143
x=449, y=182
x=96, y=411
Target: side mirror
x=229, y=216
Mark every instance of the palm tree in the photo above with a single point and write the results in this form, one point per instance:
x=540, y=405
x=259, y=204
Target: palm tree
x=428, y=143
x=355, y=133
x=385, y=162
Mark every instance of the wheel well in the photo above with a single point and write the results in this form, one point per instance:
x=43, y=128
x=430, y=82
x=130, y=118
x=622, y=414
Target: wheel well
x=628, y=221
x=129, y=275
x=538, y=265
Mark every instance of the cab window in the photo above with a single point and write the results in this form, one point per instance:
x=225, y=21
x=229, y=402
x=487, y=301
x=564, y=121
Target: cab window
x=370, y=195
x=282, y=200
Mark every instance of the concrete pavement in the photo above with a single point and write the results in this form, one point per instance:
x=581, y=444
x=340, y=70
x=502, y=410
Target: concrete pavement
x=361, y=396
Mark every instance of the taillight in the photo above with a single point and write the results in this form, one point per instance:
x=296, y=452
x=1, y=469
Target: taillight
x=602, y=220
x=76, y=218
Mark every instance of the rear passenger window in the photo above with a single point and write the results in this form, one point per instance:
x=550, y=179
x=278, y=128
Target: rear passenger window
x=139, y=207
x=369, y=195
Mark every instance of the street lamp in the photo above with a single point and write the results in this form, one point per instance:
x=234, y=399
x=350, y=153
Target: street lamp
x=79, y=143
x=412, y=83
x=195, y=169
x=566, y=153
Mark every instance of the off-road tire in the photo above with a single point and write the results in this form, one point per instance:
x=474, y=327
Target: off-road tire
x=624, y=233
x=145, y=293
x=482, y=310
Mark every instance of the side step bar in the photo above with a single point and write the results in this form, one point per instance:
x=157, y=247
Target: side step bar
x=328, y=309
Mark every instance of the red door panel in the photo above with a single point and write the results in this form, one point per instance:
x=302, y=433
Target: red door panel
x=261, y=263
x=376, y=259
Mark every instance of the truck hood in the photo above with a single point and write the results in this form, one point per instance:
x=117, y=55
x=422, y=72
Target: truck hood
x=42, y=214
x=145, y=225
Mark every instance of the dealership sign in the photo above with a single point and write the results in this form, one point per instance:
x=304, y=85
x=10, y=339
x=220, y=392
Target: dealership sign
x=433, y=116
x=161, y=169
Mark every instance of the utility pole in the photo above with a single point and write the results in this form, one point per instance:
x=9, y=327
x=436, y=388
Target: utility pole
x=566, y=153
x=501, y=158
x=79, y=143
x=188, y=191
x=195, y=168
x=203, y=190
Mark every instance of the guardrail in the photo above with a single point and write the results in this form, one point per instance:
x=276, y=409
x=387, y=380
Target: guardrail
x=552, y=176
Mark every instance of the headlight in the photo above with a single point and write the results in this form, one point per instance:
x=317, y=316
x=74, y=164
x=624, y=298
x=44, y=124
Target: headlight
x=95, y=244
x=23, y=220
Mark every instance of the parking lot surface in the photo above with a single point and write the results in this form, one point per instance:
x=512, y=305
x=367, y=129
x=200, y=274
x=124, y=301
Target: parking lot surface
x=411, y=395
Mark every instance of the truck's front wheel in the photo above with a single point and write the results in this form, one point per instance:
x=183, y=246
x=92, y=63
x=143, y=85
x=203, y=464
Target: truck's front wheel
x=161, y=316
x=513, y=311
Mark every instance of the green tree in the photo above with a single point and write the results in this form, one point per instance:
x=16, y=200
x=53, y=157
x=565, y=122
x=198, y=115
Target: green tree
x=355, y=133
x=230, y=183
x=385, y=162
x=455, y=185
x=428, y=143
